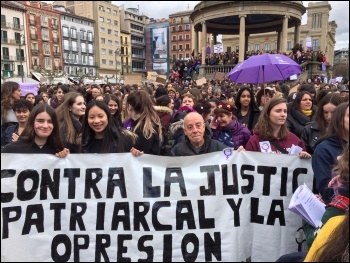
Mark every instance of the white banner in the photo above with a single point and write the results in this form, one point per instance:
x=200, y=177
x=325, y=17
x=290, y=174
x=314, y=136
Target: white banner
x=223, y=206
x=219, y=48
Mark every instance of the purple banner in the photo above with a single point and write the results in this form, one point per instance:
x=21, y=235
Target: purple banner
x=29, y=88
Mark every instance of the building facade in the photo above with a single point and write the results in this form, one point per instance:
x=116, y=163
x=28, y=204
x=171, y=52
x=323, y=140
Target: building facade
x=14, y=42
x=44, y=37
x=77, y=44
x=107, y=32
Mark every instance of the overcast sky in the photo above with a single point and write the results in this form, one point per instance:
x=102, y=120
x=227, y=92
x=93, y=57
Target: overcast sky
x=162, y=9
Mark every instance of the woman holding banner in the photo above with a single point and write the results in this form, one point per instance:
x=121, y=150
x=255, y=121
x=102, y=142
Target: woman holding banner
x=271, y=134
x=40, y=135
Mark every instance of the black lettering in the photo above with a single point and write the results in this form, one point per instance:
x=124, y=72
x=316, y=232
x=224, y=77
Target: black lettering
x=122, y=249
x=249, y=188
x=124, y=219
x=210, y=170
x=254, y=210
x=267, y=171
x=296, y=174
x=284, y=180
x=7, y=197
x=100, y=220
x=168, y=248
x=22, y=193
x=148, y=189
x=235, y=208
x=56, y=241
x=78, y=247
x=187, y=216
x=174, y=179
x=102, y=242
x=147, y=249
x=30, y=221
x=57, y=208
x=47, y=182
x=113, y=183
x=140, y=216
x=273, y=214
x=77, y=217
x=229, y=189
x=71, y=174
x=204, y=223
x=91, y=184
x=156, y=224
x=212, y=247
x=190, y=238
x=6, y=219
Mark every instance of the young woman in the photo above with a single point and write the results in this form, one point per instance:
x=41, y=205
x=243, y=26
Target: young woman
x=100, y=133
x=10, y=92
x=57, y=99
x=113, y=104
x=271, y=134
x=30, y=97
x=314, y=131
x=40, y=135
x=145, y=122
x=70, y=115
x=227, y=129
x=301, y=113
x=328, y=148
x=247, y=112
x=22, y=110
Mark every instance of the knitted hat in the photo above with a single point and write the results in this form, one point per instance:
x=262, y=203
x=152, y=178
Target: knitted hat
x=224, y=108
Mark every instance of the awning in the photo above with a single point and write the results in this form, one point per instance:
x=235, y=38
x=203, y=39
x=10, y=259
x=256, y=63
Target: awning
x=37, y=76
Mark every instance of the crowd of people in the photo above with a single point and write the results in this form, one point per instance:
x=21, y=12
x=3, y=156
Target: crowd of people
x=184, y=119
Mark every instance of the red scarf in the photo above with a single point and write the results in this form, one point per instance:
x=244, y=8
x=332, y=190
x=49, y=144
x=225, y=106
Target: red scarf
x=339, y=201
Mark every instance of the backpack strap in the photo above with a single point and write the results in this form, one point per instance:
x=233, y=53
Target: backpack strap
x=278, y=146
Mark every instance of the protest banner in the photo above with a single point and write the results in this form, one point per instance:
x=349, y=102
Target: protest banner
x=219, y=75
x=218, y=48
x=223, y=206
x=29, y=88
x=133, y=79
x=201, y=81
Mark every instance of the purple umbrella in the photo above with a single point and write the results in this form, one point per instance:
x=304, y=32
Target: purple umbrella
x=264, y=68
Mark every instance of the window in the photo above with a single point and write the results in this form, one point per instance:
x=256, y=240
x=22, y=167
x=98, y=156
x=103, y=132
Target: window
x=103, y=51
x=180, y=28
x=74, y=46
x=83, y=47
x=47, y=62
x=102, y=30
x=316, y=21
x=5, y=53
x=90, y=48
x=103, y=40
x=89, y=36
x=180, y=37
x=46, y=48
x=187, y=37
x=188, y=27
x=174, y=38
x=65, y=31
x=16, y=23
x=91, y=60
x=116, y=42
x=45, y=33
x=110, y=42
x=4, y=36
x=101, y=8
x=180, y=47
x=115, y=12
x=111, y=62
x=66, y=44
x=267, y=46
x=257, y=47
x=109, y=21
x=18, y=38
x=110, y=52
x=174, y=48
x=289, y=45
x=73, y=33
x=116, y=33
x=102, y=19
x=108, y=10
x=115, y=22
x=187, y=46
x=20, y=70
x=315, y=45
x=174, y=29
x=82, y=35
x=187, y=55
x=104, y=61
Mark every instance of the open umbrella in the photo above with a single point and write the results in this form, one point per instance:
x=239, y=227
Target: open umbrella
x=264, y=68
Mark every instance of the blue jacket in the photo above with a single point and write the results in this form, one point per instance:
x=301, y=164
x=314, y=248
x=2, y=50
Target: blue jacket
x=323, y=160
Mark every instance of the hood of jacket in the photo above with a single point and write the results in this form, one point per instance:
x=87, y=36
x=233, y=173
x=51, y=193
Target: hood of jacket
x=163, y=109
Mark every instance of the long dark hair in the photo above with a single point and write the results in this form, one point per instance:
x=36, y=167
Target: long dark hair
x=118, y=115
x=28, y=134
x=6, y=99
x=115, y=139
x=332, y=98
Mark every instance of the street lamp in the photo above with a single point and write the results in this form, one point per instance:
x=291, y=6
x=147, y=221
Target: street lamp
x=117, y=54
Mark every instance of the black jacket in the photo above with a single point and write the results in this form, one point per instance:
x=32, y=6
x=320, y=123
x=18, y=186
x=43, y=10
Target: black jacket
x=296, y=120
x=185, y=148
x=27, y=147
x=310, y=135
x=148, y=146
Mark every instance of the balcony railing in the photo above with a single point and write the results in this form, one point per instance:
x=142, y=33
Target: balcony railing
x=137, y=56
x=7, y=57
x=54, y=26
x=137, y=42
x=19, y=58
x=55, y=39
x=5, y=25
x=35, y=52
x=33, y=36
x=15, y=41
x=32, y=22
x=4, y=40
x=56, y=54
x=44, y=23
x=17, y=27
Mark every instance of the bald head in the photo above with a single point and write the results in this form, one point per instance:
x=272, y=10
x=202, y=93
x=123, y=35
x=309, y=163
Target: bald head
x=194, y=128
x=193, y=116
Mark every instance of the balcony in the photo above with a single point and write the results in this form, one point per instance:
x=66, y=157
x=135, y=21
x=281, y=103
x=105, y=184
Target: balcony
x=33, y=36
x=7, y=73
x=57, y=54
x=180, y=30
x=90, y=51
x=137, y=56
x=19, y=58
x=34, y=52
x=7, y=57
x=47, y=53
x=54, y=26
x=55, y=39
x=142, y=43
x=73, y=35
x=90, y=39
x=15, y=41
x=17, y=27
x=32, y=22
x=5, y=25
x=173, y=40
x=65, y=34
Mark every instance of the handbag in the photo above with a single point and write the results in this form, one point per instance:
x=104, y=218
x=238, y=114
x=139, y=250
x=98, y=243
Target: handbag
x=278, y=147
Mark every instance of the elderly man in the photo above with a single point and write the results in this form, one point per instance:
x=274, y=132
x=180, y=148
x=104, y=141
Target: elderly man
x=195, y=142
